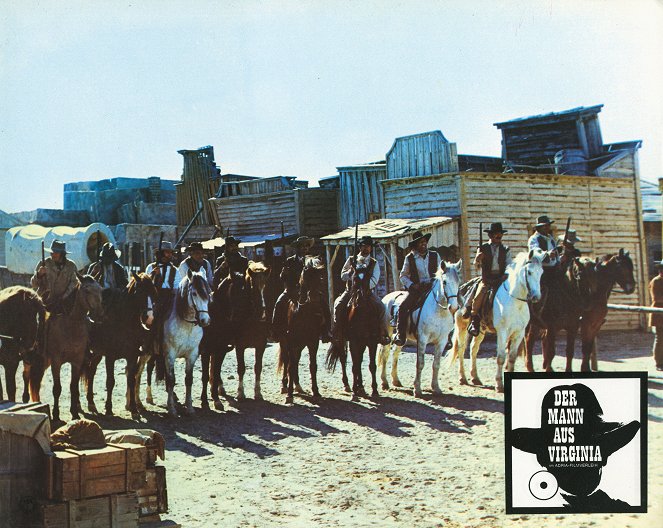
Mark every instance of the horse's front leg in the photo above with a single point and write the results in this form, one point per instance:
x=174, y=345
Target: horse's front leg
x=458, y=346
x=148, y=389
x=292, y=366
x=356, y=353
x=514, y=344
x=57, y=390
x=502, y=342
x=530, y=343
x=594, y=362
x=110, y=383
x=344, y=368
x=142, y=360
x=383, y=359
x=548, y=345
x=10, y=378
x=475, y=345
x=241, y=370
x=257, y=370
x=372, y=367
x=26, y=382
x=132, y=369
x=421, y=351
x=313, y=367
x=437, y=357
x=215, y=377
x=188, y=381
x=169, y=359
x=90, y=372
x=204, y=359
x=571, y=334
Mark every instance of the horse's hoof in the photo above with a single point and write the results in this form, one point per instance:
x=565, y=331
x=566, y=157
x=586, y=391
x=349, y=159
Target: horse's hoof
x=437, y=392
x=397, y=383
x=150, y=400
x=529, y=367
x=317, y=396
x=289, y=400
x=418, y=394
x=75, y=415
x=385, y=385
x=476, y=381
x=299, y=390
x=499, y=389
x=135, y=416
x=347, y=388
x=355, y=398
x=218, y=405
x=189, y=411
x=92, y=409
x=463, y=381
x=375, y=394
x=241, y=396
x=204, y=405
x=172, y=413
x=284, y=390
x=109, y=412
x=258, y=397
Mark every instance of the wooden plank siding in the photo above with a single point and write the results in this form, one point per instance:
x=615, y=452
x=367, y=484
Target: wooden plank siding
x=318, y=211
x=360, y=193
x=605, y=211
x=421, y=155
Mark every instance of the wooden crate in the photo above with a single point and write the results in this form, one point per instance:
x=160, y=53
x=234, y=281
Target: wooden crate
x=80, y=474
x=153, y=497
x=111, y=511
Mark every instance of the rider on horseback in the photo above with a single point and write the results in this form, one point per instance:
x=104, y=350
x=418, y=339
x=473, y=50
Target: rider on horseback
x=163, y=273
x=55, y=278
x=492, y=259
x=363, y=259
x=107, y=271
x=417, y=276
x=195, y=261
x=566, y=248
x=231, y=262
x=544, y=240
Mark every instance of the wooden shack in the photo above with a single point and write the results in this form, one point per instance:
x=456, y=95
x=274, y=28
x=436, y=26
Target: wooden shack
x=421, y=155
x=391, y=237
x=200, y=182
x=605, y=211
x=360, y=193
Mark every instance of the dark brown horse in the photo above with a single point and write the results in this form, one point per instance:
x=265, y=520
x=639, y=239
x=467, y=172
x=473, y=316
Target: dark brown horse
x=66, y=339
x=127, y=316
x=306, y=317
x=362, y=332
x=611, y=270
x=238, y=319
x=21, y=316
x=562, y=311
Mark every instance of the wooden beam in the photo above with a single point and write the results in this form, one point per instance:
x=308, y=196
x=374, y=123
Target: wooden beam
x=394, y=266
x=330, y=278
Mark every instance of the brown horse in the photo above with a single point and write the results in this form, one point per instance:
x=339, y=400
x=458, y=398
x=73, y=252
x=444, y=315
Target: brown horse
x=66, y=339
x=611, y=270
x=362, y=332
x=127, y=316
x=21, y=316
x=306, y=317
x=562, y=311
x=239, y=319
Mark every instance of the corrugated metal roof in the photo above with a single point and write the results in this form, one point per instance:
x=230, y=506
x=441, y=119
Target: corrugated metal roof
x=651, y=202
x=553, y=115
x=388, y=228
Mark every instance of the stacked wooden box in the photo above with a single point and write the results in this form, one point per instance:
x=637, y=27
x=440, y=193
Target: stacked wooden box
x=153, y=496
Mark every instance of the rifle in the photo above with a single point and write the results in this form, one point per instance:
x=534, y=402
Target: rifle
x=566, y=232
x=98, y=245
x=43, y=254
x=160, y=245
x=480, y=234
x=354, y=251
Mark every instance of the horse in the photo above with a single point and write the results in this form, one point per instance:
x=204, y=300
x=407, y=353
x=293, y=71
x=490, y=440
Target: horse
x=362, y=333
x=305, y=319
x=610, y=270
x=66, y=340
x=431, y=324
x=182, y=333
x=22, y=315
x=240, y=319
x=509, y=318
x=128, y=314
x=562, y=311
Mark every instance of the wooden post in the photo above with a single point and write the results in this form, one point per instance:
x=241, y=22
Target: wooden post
x=394, y=266
x=330, y=278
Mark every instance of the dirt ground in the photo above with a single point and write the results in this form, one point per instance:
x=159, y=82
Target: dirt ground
x=393, y=461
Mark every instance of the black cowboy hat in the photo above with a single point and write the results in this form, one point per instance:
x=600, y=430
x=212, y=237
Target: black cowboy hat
x=303, y=241
x=609, y=436
x=418, y=236
x=366, y=240
x=193, y=246
x=108, y=249
x=58, y=246
x=543, y=220
x=571, y=238
x=166, y=246
x=232, y=240
x=495, y=227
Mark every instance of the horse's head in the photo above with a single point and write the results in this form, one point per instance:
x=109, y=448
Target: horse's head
x=194, y=295
x=448, y=277
x=525, y=275
x=142, y=291
x=624, y=271
x=22, y=313
x=89, y=297
x=583, y=273
x=256, y=277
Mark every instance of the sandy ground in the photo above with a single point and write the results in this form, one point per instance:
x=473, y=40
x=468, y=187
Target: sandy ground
x=394, y=461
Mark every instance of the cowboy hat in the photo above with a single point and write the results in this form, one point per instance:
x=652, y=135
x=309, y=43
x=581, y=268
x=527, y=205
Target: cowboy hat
x=592, y=430
x=366, y=240
x=571, y=238
x=543, y=220
x=418, y=236
x=193, y=246
x=303, y=241
x=495, y=227
x=166, y=246
x=58, y=246
x=109, y=248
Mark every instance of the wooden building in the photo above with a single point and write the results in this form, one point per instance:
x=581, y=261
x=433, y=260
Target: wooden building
x=200, y=182
x=360, y=193
x=421, y=155
x=651, y=217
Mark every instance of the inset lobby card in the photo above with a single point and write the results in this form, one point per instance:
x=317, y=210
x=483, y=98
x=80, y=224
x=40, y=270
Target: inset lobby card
x=576, y=443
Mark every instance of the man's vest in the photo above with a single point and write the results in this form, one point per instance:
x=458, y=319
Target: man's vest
x=171, y=271
x=487, y=261
x=433, y=264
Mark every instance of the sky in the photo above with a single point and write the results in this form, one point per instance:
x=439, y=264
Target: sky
x=101, y=89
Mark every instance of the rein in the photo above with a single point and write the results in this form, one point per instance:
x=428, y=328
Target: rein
x=529, y=289
x=196, y=321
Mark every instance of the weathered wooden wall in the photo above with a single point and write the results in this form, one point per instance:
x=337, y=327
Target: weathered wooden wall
x=604, y=211
x=238, y=187
x=360, y=193
x=623, y=165
x=200, y=182
x=257, y=214
x=421, y=155
x=317, y=211
x=422, y=197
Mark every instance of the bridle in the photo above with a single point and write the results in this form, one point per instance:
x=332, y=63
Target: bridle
x=196, y=321
x=527, y=285
x=436, y=297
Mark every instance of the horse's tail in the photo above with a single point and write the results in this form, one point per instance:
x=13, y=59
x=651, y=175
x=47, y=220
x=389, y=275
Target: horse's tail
x=335, y=353
x=87, y=375
x=281, y=361
x=36, y=371
x=160, y=366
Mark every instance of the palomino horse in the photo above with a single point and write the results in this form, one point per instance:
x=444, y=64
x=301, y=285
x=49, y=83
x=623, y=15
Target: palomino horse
x=362, y=332
x=510, y=316
x=183, y=330
x=128, y=313
x=611, y=270
x=563, y=308
x=239, y=319
x=306, y=317
x=66, y=340
x=432, y=324
x=21, y=316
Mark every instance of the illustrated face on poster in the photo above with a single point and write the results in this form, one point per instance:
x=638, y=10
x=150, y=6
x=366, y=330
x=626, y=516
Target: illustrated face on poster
x=576, y=443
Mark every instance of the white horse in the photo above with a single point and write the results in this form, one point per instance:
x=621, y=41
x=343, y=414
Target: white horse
x=183, y=330
x=432, y=323
x=510, y=316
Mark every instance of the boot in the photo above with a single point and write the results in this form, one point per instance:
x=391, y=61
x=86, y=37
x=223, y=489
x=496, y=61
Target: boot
x=401, y=333
x=475, y=326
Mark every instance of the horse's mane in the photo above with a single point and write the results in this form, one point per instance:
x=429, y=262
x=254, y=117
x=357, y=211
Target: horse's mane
x=133, y=283
x=23, y=292
x=197, y=280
